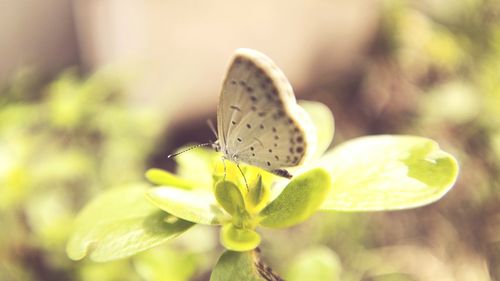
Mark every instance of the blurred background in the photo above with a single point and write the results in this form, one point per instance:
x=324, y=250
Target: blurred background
x=94, y=92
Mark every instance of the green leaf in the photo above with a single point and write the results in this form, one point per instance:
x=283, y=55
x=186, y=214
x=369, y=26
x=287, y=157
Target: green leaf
x=388, y=173
x=244, y=266
x=322, y=118
x=315, y=264
x=239, y=239
x=229, y=197
x=120, y=223
x=299, y=200
x=196, y=206
x=162, y=177
x=258, y=195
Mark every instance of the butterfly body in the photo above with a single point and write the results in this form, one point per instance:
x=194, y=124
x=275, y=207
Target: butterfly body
x=258, y=119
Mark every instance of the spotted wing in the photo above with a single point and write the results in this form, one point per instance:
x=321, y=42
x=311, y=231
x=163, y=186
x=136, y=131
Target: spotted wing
x=259, y=121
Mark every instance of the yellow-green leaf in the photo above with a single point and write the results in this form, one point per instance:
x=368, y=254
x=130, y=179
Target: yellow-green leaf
x=239, y=239
x=120, y=223
x=243, y=266
x=322, y=118
x=198, y=206
x=387, y=173
x=162, y=177
x=298, y=201
x=229, y=197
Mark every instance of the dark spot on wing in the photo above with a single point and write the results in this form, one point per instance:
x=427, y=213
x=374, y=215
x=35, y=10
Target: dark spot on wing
x=248, y=126
x=259, y=72
x=239, y=139
x=235, y=107
x=282, y=173
x=300, y=149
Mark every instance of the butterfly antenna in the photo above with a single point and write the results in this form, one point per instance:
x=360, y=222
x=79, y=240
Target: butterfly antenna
x=212, y=127
x=188, y=149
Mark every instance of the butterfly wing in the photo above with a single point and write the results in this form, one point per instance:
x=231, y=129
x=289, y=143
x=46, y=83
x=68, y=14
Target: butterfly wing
x=259, y=121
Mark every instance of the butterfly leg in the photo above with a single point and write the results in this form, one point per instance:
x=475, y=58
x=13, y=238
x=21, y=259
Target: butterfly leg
x=245, y=179
x=224, y=165
x=282, y=173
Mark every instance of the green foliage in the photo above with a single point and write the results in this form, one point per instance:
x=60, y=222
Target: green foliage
x=299, y=200
x=370, y=173
x=239, y=239
x=257, y=196
x=120, y=223
x=236, y=266
x=65, y=144
x=322, y=117
x=228, y=195
x=61, y=144
x=388, y=173
x=196, y=206
x=162, y=177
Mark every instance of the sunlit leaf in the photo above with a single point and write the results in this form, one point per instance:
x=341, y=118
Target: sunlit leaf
x=322, y=118
x=120, y=223
x=387, y=173
x=241, y=266
x=299, y=200
x=258, y=195
x=237, y=239
x=198, y=206
x=229, y=197
x=162, y=177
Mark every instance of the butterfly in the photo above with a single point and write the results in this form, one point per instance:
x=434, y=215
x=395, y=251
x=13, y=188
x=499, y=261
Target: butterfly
x=258, y=119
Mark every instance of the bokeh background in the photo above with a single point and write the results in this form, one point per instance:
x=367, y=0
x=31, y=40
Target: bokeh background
x=94, y=92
